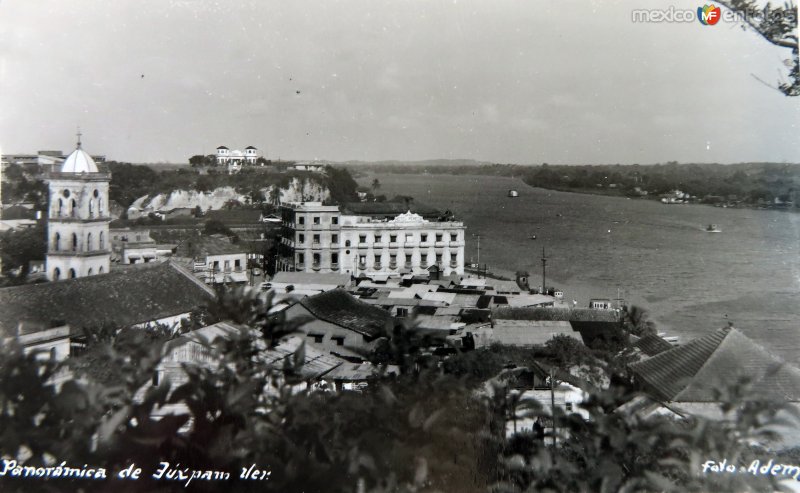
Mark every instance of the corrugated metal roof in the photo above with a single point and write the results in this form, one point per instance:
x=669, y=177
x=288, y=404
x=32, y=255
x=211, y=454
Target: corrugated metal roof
x=312, y=278
x=448, y=298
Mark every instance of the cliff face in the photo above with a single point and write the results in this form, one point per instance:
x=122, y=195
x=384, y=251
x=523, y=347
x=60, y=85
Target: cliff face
x=297, y=191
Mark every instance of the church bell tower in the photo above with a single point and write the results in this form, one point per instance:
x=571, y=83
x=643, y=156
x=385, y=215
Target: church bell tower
x=78, y=218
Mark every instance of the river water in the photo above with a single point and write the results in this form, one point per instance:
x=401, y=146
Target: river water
x=655, y=255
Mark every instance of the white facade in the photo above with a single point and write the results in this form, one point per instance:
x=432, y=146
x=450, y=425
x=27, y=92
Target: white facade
x=77, y=228
x=318, y=238
x=235, y=159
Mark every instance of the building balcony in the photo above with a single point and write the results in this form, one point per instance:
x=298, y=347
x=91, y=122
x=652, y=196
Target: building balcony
x=407, y=265
x=363, y=245
x=453, y=264
x=300, y=266
x=318, y=227
x=377, y=266
x=379, y=244
x=393, y=244
x=316, y=245
x=335, y=267
x=316, y=266
x=424, y=264
x=439, y=244
x=456, y=243
x=392, y=265
x=362, y=265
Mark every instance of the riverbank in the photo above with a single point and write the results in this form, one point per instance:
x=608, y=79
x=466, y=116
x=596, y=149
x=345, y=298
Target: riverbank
x=619, y=193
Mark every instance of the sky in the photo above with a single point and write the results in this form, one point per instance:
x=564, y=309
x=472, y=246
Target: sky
x=527, y=82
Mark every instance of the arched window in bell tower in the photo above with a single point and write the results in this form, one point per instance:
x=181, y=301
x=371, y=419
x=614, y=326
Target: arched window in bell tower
x=56, y=274
x=57, y=242
x=91, y=208
x=72, y=273
x=101, y=241
x=97, y=198
x=60, y=210
x=74, y=242
x=89, y=242
x=72, y=208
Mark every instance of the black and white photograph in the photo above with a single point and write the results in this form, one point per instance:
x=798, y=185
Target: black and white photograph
x=414, y=246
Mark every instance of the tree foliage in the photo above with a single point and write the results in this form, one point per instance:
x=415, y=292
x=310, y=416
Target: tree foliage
x=420, y=429
x=778, y=25
x=18, y=248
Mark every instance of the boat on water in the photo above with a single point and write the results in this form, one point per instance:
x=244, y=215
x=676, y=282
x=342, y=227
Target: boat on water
x=532, y=237
x=513, y=193
x=713, y=228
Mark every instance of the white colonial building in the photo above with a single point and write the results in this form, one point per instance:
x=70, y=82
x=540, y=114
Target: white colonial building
x=78, y=219
x=319, y=238
x=234, y=160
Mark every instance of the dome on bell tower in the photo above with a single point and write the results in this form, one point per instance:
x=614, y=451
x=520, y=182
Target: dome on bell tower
x=79, y=161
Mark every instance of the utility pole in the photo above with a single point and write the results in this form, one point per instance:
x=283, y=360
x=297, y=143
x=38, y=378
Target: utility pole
x=479, y=249
x=544, y=270
x=552, y=397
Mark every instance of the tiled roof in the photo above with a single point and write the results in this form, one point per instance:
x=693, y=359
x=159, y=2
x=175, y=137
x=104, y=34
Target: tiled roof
x=235, y=216
x=202, y=246
x=652, y=345
x=17, y=212
x=125, y=297
x=339, y=307
x=696, y=371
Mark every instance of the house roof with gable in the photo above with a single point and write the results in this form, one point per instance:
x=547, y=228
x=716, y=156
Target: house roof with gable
x=203, y=246
x=696, y=371
x=315, y=363
x=340, y=308
x=17, y=212
x=651, y=345
x=125, y=297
